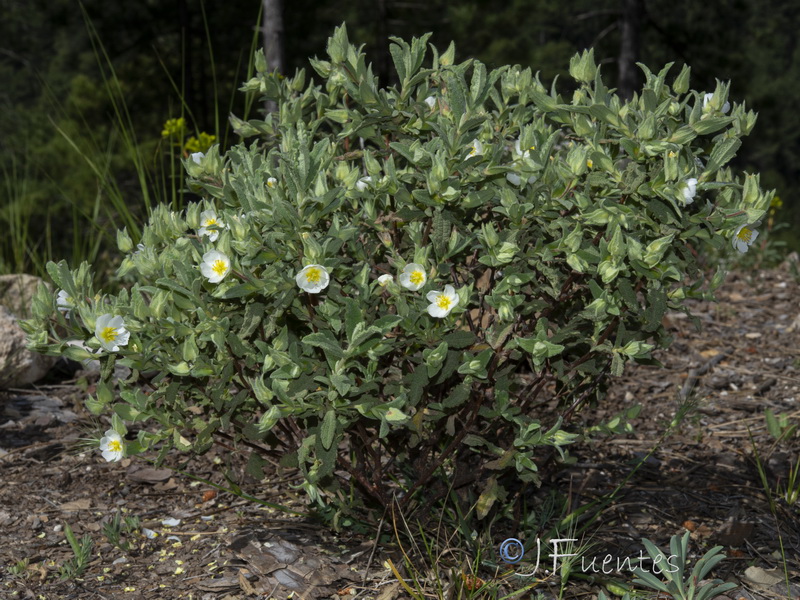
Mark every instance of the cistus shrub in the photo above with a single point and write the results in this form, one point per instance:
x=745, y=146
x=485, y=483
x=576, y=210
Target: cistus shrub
x=393, y=287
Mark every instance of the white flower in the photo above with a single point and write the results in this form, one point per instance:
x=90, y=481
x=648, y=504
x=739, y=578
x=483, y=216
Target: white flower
x=64, y=302
x=384, y=280
x=413, y=277
x=361, y=184
x=707, y=98
x=197, y=157
x=272, y=182
x=441, y=303
x=475, y=148
x=111, y=332
x=690, y=190
x=139, y=248
x=215, y=266
x=111, y=446
x=430, y=101
x=744, y=237
x=313, y=279
x=208, y=218
x=518, y=150
x=513, y=178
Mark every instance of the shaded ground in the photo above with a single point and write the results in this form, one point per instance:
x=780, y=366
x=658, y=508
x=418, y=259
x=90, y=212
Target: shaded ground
x=703, y=478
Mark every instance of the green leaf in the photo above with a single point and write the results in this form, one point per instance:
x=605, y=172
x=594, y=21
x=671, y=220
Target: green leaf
x=440, y=233
x=255, y=466
x=353, y=317
x=328, y=429
x=397, y=416
x=126, y=412
x=460, y=339
x=656, y=308
x=723, y=151
x=711, y=125
x=539, y=348
x=326, y=341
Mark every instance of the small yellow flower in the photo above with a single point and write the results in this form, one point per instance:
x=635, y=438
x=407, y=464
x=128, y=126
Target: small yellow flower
x=174, y=128
x=589, y=163
x=201, y=144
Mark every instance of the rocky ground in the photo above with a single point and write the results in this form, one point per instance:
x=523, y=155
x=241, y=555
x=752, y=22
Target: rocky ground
x=703, y=477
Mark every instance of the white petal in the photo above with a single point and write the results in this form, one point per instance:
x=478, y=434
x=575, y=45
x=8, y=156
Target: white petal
x=435, y=311
x=513, y=178
x=197, y=157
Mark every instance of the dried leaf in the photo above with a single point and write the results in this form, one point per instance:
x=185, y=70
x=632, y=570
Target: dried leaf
x=82, y=504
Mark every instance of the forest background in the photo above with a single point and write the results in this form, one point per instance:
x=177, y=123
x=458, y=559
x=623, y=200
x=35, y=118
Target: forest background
x=87, y=88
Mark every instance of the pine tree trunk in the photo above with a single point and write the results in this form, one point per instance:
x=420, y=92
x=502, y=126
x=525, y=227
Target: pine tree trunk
x=273, y=40
x=630, y=27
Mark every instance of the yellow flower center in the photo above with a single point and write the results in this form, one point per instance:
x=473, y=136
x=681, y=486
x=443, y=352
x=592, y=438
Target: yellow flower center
x=109, y=334
x=745, y=234
x=313, y=275
x=270, y=183
x=210, y=222
x=219, y=267
x=589, y=163
x=417, y=277
x=115, y=446
x=443, y=301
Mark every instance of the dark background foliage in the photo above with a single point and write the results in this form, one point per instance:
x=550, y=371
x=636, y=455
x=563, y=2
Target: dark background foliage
x=186, y=57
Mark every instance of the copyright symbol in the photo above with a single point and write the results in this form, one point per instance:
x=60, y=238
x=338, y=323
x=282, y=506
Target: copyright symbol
x=512, y=551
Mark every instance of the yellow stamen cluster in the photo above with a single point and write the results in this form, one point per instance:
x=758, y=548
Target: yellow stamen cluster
x=745, y=234
x=417, y=277
x=219, y=267
x=313, y=275
x=443, y=302
x=109, y=334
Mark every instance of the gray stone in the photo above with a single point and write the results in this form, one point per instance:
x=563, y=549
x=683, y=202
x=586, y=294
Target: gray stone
x=18, y=365
x=16, y=293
